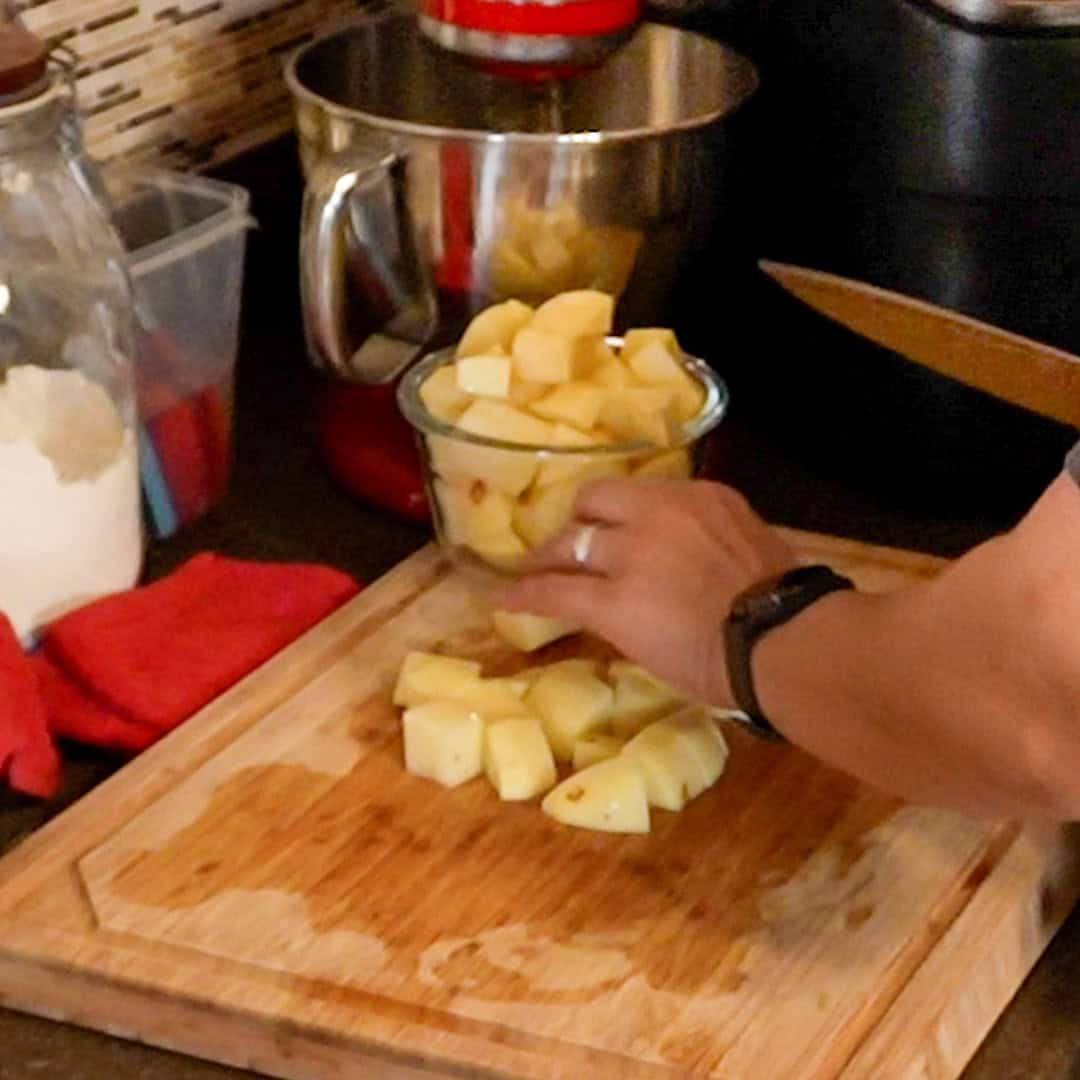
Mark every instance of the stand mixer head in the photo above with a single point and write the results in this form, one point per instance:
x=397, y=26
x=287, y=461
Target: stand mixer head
x=529, y=39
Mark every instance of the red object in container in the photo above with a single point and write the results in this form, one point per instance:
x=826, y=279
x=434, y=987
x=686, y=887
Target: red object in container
x=370, y=448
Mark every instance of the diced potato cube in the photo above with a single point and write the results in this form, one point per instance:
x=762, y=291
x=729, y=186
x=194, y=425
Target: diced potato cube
x=573, y=402
x=702, y=741
x=590, y=749
x=494, y=699
x=645, y=412
x=495, y=325
x=499, y=420
x=441, y=395
x=480, y=519
x=612, y=374
x=523, y=393
x=428, y=676
x=575, y=314
x=654, y=364
x=517, y=758
x=575, y=469
x=484, y=374
x=639, y=697
x=570, y=703
x=571, y=437
x=529, y=632
x=641, y=336
x=477, y=468
x=543, y=356
x=444, y=741
x=593, y=356
x=514, y=273
x=672, y=777
x=543, y=512
x=551, y=254
x=670, y=463
x=609, y=796
x=681, y=744
x=689, y=398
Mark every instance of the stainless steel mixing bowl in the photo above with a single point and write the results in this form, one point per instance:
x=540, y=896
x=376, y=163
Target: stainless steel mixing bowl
x=435, y=188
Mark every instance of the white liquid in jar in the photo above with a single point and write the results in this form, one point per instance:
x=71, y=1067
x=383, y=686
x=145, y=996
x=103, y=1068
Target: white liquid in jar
x=70, y=514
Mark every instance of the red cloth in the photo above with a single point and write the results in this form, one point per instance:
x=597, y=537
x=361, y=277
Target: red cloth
x=27, y=755
x=122, y=671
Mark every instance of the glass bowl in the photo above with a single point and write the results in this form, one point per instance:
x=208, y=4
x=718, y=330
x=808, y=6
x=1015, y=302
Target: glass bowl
x=494, y=501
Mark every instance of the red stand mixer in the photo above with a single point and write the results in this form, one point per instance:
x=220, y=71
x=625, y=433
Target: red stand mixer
x=482, y=149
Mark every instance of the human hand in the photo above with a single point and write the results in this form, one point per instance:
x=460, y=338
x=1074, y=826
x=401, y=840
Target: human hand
x=665, y=559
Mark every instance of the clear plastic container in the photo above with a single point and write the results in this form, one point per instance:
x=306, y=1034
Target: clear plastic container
x=185, y=236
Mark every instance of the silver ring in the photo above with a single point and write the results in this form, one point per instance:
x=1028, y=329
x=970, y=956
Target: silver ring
x=583, y=539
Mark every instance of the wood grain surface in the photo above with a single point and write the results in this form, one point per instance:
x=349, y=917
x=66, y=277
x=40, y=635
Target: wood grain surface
x=267, y=887
x=1014, y=368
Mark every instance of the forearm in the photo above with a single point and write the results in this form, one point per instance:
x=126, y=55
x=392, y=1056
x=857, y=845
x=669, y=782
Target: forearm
x=961, y=692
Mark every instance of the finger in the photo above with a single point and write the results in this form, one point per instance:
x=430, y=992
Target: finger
x=578, y=548
x=579, y=599
x=616, y=500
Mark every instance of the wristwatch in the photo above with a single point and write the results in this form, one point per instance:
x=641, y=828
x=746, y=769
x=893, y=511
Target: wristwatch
x=754, y=612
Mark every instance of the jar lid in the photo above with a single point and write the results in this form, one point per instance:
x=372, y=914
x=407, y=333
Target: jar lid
x=23, y=60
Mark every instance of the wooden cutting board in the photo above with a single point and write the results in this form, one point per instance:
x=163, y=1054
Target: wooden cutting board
x=268, y=888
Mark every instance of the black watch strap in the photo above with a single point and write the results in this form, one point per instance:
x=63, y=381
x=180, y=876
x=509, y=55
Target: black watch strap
x=754, y=612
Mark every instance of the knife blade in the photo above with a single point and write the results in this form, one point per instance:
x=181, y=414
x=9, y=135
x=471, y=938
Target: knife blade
x=1017, y=369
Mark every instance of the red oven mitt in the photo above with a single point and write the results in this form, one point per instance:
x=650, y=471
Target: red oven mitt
x=27, y=755
x=122, y=671
x=156, y=654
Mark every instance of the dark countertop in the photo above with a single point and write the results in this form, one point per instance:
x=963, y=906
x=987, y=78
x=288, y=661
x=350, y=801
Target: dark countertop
x=284, y=505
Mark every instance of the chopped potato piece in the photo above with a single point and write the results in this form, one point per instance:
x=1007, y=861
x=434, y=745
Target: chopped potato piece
x=426, y=676
x=702, y=740
x=577, y=313
x=573, y=402
x=641, y=412
x=655, y=365
x=494, y=699
x=612, y=375
x=570, y=703
x=594, y=355
x=670, y=463
x=529, y=632
x=479, y=519
x=590, y=749
x=476, y=468
x=495, y=325
x=502, y=421
x=641, y=336
x=523, y=393
x=672, y=777
x=575, y=469
x=639, y=697
x=517, y=758
x=543, y=356
x=441, y=395
x=609, y=796
x=444, y=741
x=544, y=511
x=484, y=374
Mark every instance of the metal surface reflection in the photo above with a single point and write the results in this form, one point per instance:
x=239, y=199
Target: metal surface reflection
x=435, y=189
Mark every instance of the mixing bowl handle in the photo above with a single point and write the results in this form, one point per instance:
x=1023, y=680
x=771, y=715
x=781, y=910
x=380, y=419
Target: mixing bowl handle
x=369, y=303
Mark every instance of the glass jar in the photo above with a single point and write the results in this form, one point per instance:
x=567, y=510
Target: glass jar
x=69, y=476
